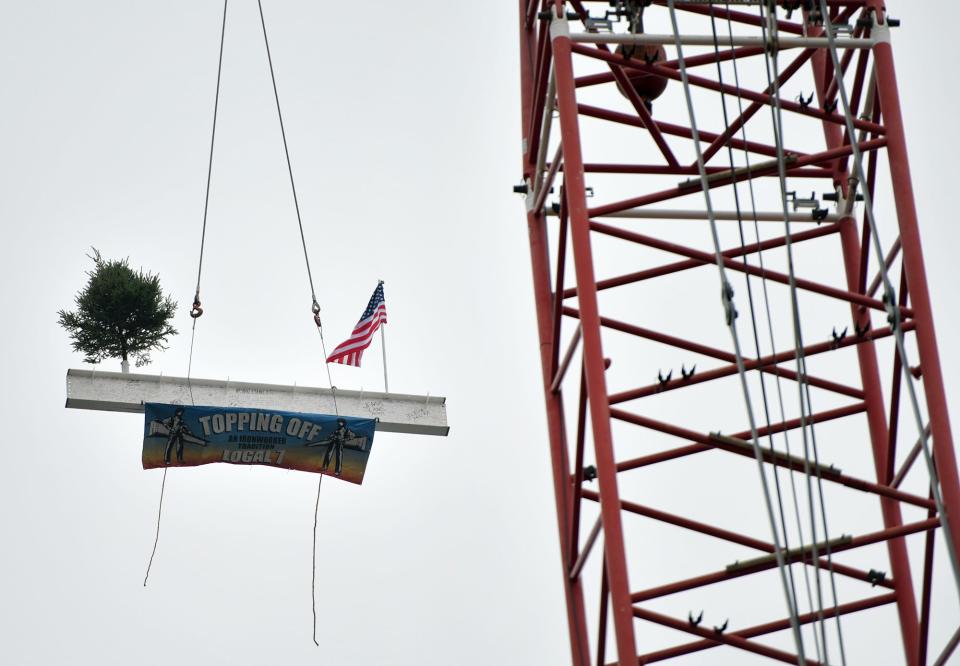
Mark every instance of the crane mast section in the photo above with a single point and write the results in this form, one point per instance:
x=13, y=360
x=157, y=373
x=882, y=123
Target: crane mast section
x=799, y=191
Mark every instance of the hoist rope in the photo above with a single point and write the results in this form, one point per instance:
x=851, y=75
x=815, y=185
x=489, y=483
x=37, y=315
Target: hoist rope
x=296, y=205
x=196, y=311
x=769, y=29
x=213, y=134
x=773, y=346
x=753, y=318
x=314, y=305
x=730, y=315
x=890, y=299
x=286, y=151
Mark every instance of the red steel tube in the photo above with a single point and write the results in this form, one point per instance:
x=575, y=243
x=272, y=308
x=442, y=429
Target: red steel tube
x=707, y=258
x=693, y=187
x=594, y=366
x=725, y=574
x=843, y=479
x=763, y=431
x=676, y=267
x=879, y=439
x=733, y=640
x=540, y=262
x=913, y=264
x=769, y=628
x=708, y=84
x=726, y=535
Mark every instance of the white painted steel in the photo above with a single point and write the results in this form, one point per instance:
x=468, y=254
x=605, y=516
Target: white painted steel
x=678, y=214
x=118, y=392
x=781, y=42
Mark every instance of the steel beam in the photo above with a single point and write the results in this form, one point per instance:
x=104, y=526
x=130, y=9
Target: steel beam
x=119, y=392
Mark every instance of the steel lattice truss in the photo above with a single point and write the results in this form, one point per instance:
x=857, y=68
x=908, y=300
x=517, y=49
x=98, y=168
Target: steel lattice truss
x=657, y=471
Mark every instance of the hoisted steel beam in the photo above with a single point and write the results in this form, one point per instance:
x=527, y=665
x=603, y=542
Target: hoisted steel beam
x=119, y=392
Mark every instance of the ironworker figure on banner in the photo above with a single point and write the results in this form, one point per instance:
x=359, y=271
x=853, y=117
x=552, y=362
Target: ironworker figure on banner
x=178, y=433
x=335, y=443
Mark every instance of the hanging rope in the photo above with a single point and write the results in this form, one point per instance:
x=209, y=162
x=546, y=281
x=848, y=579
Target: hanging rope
x=196, y=311
x=313, y=579
x=730, y=316
x=156, y=539
x=314, y=305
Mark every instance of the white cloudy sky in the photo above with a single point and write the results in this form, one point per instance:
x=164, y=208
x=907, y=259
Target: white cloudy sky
x=404, y=134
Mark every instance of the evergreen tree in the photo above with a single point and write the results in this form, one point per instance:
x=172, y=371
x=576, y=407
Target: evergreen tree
x=120, y=314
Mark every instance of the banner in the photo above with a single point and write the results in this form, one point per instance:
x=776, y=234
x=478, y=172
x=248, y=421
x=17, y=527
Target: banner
x=184, y=436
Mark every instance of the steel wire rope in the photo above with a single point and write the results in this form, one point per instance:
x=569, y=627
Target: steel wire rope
x=753, y=317
x=315, y=307
x=771, y=336
x=196, y=311
x=730, y=316
x=890, y=300
x=769, y=28
x=803, y=387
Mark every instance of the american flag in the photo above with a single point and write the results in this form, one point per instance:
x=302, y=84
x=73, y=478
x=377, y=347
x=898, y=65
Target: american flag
x=350, y=351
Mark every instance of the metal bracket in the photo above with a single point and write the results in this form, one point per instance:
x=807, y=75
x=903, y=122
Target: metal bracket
x=559, y=27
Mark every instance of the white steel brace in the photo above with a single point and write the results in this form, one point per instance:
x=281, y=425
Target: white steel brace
x=679, y=214
x=781, y=42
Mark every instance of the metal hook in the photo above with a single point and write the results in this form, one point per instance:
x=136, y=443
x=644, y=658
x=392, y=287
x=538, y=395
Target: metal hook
x=695, y=622
x=687, y=374
x=663, y=380
x=722, y=627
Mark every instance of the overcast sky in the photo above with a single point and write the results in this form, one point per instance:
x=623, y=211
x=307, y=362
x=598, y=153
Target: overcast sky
x=404, y=135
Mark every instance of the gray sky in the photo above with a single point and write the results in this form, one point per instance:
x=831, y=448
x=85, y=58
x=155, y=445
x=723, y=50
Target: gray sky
x=404, y=135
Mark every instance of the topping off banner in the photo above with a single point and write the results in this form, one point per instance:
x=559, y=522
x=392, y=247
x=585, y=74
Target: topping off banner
x=184, y=436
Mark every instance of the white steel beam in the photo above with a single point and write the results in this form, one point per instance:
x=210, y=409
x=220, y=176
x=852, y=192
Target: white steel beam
x=120, y=392
x=744, y=216
x=780, y=42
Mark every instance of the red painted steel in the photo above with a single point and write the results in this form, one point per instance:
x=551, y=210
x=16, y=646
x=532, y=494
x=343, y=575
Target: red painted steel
x=623, y=425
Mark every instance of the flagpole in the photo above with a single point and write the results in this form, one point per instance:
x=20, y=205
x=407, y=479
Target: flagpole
x=383, y=346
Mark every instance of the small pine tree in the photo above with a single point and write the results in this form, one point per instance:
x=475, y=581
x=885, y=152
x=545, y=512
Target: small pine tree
x=120, y=314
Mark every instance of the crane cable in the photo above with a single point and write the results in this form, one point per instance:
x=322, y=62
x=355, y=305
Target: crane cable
x=315, y=309
x=890, y=300
x=730, y=315
x=772, y=342
x=769, y=27
x=197, y=310
x=753, y=317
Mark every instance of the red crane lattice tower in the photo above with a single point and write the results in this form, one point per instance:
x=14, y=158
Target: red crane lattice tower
x=814, y=350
